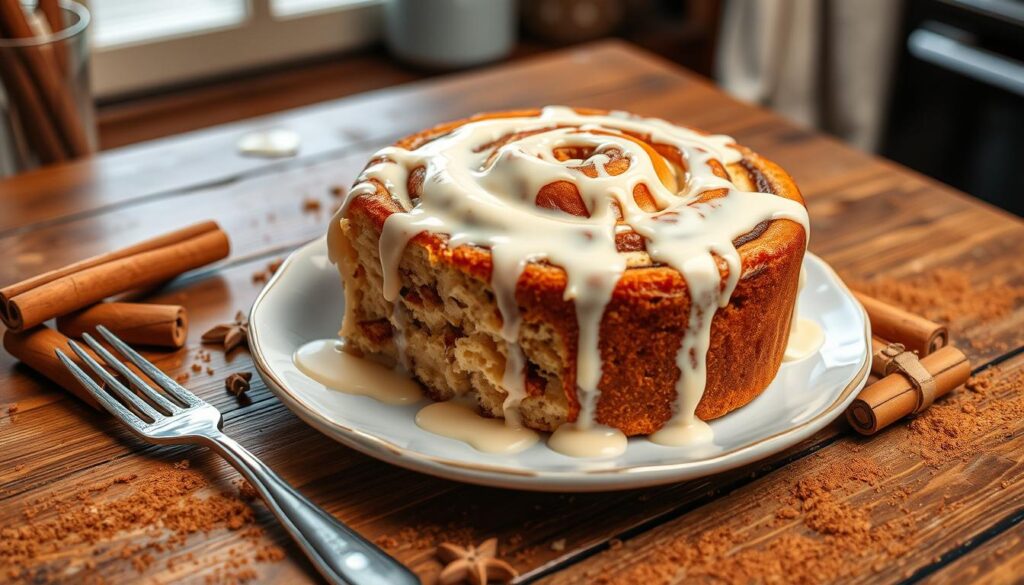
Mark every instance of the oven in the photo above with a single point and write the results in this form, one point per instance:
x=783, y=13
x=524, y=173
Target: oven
x=957, y=100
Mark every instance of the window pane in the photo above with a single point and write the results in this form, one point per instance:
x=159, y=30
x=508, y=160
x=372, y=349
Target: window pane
x=120, y=22
x=294, y=7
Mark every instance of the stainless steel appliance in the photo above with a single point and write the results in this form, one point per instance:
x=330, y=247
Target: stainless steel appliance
x=957, y=109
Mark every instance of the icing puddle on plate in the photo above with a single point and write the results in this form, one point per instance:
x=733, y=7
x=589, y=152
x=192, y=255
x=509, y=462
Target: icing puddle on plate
x=805, y=339
x=459, y=421
x=327, y=362
x=597, y=441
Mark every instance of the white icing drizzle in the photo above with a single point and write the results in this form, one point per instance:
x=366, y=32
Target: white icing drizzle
x=491, y=203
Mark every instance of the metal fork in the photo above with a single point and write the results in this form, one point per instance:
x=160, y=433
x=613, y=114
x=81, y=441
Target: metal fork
x=338, y=552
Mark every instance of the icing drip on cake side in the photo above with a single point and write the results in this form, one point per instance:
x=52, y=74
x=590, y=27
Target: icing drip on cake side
x=476, y=195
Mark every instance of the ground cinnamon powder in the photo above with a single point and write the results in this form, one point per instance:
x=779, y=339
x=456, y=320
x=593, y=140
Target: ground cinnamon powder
x=992, y=401
x=833, y=535
x=157, y=512
x=945, y=295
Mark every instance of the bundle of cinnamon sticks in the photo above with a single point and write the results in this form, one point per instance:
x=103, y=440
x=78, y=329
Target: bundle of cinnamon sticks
x=912, y=364
x=75, y=296
x=38, y=80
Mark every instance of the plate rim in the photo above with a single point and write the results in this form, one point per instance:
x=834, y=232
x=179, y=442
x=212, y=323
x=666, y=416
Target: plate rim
x=603, y=479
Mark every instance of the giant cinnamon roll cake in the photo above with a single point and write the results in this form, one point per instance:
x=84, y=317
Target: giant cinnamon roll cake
x=569, y=265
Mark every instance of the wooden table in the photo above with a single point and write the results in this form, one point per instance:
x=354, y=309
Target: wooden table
x=870, y=217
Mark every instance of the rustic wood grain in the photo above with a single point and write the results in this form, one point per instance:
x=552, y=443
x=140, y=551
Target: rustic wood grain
x=997, y=561
x=869, y=218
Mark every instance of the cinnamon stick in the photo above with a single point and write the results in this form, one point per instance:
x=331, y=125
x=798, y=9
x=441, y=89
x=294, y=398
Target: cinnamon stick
x=59, y=292
x=895, y=324
x=894, y=396
x=35, y=122
x=55, y=22
x=36, y=349
x=135, y=323
x=45, y=72
x=161, y=241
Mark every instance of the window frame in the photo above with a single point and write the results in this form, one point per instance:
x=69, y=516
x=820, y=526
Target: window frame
x=261, y=39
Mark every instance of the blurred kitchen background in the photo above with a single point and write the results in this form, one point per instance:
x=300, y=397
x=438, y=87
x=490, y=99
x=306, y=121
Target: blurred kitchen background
x=937, y=85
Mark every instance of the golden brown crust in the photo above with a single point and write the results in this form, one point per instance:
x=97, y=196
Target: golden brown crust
x=643, y=325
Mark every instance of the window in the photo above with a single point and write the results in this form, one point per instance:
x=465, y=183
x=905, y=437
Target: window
x=120, y=22
x=293, y=7
x=144, y=44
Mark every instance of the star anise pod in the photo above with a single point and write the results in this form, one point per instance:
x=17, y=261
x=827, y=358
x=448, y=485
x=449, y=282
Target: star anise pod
x=229, y=335
x=474, y=564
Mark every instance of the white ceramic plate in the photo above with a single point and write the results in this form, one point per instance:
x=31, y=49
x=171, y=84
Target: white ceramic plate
x=303, y=302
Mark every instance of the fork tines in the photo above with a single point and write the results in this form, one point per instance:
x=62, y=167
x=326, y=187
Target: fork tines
x=141, y=411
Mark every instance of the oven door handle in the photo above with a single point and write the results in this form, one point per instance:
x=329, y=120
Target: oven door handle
x=977, y=64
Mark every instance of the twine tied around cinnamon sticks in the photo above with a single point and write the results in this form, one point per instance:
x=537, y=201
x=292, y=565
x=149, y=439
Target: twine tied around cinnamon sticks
x=913, y=363
x=894, y=357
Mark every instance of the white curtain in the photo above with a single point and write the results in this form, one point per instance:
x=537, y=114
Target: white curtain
x=824, y=63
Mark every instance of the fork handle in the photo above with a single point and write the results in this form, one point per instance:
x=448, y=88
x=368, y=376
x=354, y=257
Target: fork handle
x=339, y=553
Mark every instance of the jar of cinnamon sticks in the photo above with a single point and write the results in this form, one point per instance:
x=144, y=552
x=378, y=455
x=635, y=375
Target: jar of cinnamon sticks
x=46, y=108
